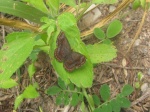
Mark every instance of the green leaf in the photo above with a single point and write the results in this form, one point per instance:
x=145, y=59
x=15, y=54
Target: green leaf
x=115, y=105
x=104, y=1
x=9, y=83
x=143, y=3
x=39, y=4
x=75, y=99
x=83, y=108
x=13, y=54
x=31, y=70
x=101, y=52
x=136, y=4
x=71, y=86
x=68, y=2
x=54, y=6
x=127, y=90
x=67, y=23
x=66, y=20
x=140, y=76
x=18, y=101
x=30, y=92
x=22, y=10
x=61, y=83
x=106, y=108
x=96, y=100
x=16, y=35
x=105, y=92
x=53, y=90
x=98, y=110
x=114, y=28
x=124, y=102
x=99, y=33
x=59, y=99
x=66, y=98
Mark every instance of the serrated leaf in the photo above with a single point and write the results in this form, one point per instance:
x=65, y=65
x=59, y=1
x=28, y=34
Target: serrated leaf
x=105, y=92
x=21, y=9
x=96, y=100
x=99, y=33
x=13, y=54
x=61, y=83
x=31, y=70
x=115, y=105
x=53, y=90
x=101, y=52
x=114, y=28
x=127, y=90
x=7, y=83
x=18, y=101
x=30, y=92
x=124, y=102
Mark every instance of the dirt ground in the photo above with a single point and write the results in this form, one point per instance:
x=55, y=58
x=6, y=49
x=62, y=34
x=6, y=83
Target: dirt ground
x=122, y=70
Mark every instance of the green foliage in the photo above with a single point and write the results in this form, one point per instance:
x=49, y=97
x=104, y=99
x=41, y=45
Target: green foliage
x=65, y=96
x=138, y=83
x=114, y=28
x=71, y=85
x=68, y=25
x=101, y=52
x=105, y=92
x=137, y=3
x=29, y=92
x=54, y=7
x=39, y=4
x=115, y=104
x=20, y=9
x=8, y=83
x=12, y=56
x=99, y=33
x=31, y=70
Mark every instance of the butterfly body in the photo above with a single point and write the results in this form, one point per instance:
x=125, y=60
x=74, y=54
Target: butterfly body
x=63, y=53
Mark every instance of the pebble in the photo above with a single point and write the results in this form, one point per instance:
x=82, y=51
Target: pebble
x=112, y=8
x=144, y=87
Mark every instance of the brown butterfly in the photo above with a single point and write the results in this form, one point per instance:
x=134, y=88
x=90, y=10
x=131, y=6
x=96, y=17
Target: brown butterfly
x=63, y=53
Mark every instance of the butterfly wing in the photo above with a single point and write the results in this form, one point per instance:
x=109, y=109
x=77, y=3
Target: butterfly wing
x=63, y=49
x=74, y=61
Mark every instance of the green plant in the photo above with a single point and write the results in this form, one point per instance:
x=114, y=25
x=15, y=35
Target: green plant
x=21, y=45
x=113, y=29
x=138, y=82
x=72, y=95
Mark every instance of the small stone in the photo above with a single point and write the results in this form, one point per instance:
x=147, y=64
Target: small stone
x=112, y=8
x=137, y=42
x=144, y=87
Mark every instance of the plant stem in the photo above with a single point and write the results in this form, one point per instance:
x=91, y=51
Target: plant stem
x=88, y=99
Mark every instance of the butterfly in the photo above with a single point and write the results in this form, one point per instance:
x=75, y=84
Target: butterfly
x=63, y=53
